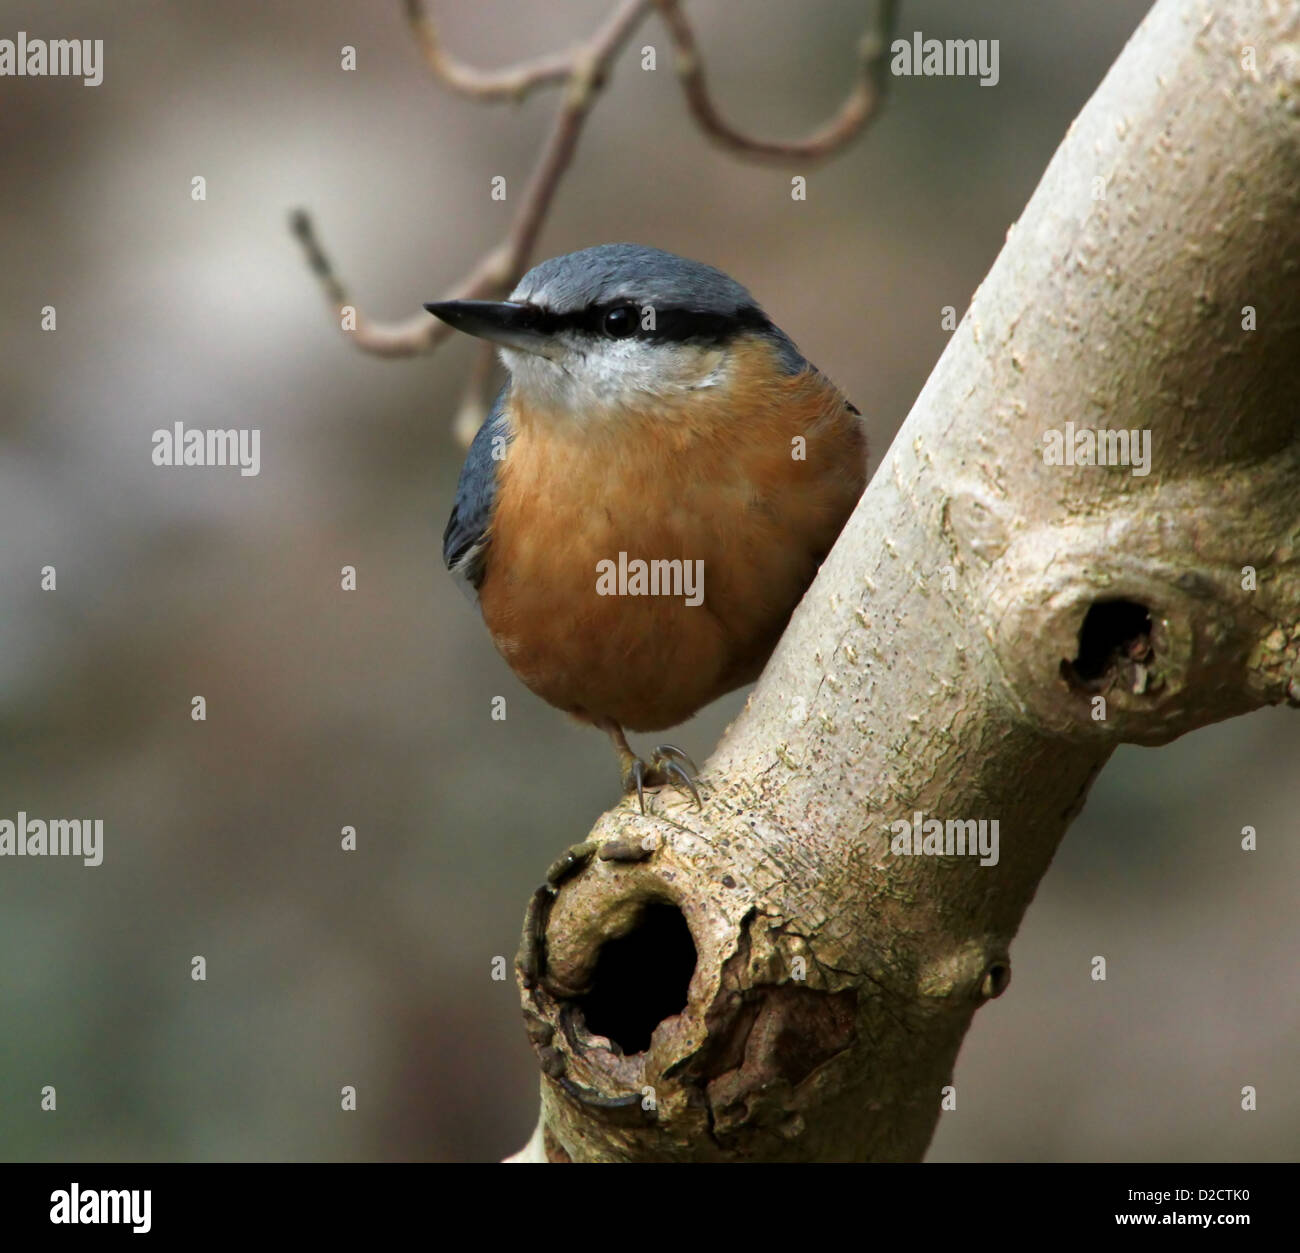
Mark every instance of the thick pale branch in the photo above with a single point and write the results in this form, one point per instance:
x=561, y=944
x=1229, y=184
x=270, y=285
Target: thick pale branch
x=990, y=626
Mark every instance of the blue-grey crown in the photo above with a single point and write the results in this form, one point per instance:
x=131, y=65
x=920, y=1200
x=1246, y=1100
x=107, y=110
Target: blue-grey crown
x=610, y=273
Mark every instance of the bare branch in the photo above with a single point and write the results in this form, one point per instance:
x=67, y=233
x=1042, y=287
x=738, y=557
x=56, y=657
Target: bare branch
x=508, y=84
x=404, y=339
x=857, y=110
x=585, y=71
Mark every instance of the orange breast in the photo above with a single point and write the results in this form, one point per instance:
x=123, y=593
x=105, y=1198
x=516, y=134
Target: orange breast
x=719, y=480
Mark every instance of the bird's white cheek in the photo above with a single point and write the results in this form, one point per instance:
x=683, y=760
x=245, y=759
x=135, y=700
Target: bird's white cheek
x=541, y=382
x=612, y=379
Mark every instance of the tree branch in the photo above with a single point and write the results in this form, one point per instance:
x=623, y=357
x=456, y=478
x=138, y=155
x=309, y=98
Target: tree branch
x=583, y=71
x=987, y=630
x=510, y=84
x=857, y=110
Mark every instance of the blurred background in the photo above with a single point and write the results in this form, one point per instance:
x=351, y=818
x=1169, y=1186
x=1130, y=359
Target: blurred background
x=372, y=708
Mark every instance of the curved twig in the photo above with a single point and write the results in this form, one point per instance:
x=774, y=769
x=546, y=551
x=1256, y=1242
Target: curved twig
x=513, y=83
x=583, y=70
x=857, y=110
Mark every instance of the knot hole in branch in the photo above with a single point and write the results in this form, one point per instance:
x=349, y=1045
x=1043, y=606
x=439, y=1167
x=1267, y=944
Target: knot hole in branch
x=996, y=980
x=1115, y=646
x=641, y=978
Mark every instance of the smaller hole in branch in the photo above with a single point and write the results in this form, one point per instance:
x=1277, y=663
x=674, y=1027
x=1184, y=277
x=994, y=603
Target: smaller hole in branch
x=1114, y=639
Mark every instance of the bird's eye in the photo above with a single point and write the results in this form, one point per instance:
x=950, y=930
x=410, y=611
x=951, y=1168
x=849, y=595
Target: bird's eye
x=620, y=322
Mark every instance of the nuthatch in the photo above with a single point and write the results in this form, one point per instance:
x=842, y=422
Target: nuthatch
x=652, y=492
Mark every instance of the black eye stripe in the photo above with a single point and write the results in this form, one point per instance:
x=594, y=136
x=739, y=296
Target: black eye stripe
x=673, y=324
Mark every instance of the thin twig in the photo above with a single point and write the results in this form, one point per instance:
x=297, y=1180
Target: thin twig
x=418, y=334
x=583, y=69
x=858, y=108
x=513, y=83
x=500, y=269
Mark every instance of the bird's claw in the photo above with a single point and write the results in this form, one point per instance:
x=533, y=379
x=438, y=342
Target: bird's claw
x=668, y=766
x=670, y=752
x=674, y=771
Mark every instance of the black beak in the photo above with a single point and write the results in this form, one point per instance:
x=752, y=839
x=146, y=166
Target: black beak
x=502, y=321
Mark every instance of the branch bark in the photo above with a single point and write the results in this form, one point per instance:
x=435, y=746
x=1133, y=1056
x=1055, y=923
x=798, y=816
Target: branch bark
x=945, y=660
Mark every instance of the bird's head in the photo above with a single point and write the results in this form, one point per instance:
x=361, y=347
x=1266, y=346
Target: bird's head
x=616, y=330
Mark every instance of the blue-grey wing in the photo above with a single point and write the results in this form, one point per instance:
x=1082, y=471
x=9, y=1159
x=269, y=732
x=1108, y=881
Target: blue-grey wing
x=792, y=361
x=465, y=541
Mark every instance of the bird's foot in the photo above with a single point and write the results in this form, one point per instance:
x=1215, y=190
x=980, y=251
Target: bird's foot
x=668, y=766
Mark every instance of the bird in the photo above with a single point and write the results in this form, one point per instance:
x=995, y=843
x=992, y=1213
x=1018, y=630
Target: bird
x=651, y=493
